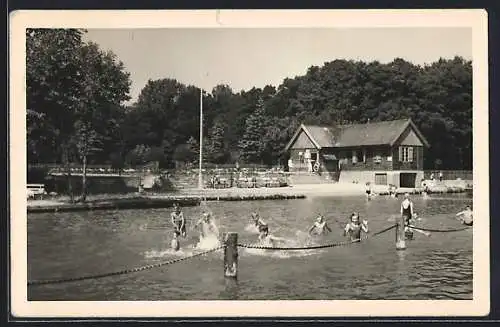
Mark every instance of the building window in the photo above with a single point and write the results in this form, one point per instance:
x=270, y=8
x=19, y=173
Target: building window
x=377, y=156
x=406, y=154
x=381, y=179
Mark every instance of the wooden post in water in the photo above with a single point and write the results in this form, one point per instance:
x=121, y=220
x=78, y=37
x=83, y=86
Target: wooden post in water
x=231, y=255
x=400, y=233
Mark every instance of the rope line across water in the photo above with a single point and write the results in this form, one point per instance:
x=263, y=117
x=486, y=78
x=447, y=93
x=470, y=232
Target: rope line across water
x=250, y=246
x=323, y=246
x=121, y=272
x=439, y=230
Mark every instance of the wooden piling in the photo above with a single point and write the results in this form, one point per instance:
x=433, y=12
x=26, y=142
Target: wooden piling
x=400, y=234
x=231, y=255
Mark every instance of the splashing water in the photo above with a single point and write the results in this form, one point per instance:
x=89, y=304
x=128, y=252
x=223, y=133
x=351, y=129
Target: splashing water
x=251, y=228
x=209, y=237
x=182, y=252
x=301, y=239
x=208, y=242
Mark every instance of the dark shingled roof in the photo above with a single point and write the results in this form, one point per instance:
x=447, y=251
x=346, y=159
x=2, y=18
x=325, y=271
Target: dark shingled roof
x=323, y=135
x=378, y=133
x=375, y=133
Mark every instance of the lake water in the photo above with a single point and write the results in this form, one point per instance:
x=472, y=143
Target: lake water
x=64, y=245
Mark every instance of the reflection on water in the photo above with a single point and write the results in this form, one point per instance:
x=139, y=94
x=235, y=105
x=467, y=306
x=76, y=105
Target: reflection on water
x=63, y=245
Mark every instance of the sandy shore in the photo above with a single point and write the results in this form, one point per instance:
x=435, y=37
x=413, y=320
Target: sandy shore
x=303, y=189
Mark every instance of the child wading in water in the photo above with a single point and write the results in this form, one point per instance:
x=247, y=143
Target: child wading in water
x=208, y=227
x=354, y=228
x=175, y=244
x=409, y=217
x=257, y=220
x=368, y=190
x=466, y=216
x=178, y=221
x=266, y=239
x=320, y=227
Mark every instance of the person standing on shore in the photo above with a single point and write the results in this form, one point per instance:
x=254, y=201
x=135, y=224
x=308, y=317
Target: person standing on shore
x=178, y=221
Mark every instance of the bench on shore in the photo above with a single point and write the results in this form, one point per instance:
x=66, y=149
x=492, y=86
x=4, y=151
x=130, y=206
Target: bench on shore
x=35, y=189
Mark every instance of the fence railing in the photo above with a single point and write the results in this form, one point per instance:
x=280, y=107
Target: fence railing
x=449, y=174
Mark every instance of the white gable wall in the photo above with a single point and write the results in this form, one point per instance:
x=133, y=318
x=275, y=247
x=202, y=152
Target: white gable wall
x=409, y=137
x=303, y=142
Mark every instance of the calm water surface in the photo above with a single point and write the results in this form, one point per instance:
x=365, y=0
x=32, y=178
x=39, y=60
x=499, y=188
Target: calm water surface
x=64, y=245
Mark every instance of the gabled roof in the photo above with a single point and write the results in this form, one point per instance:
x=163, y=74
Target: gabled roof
x=376, y=133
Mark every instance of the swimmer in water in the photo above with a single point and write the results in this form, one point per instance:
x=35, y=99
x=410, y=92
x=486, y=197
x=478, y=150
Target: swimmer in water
x=320, y=227
x=175, y=244
x=392, y=191
x=354, y=228
x=178, y=221
x=409, y=217
x=257, y=221
x=208, y=226
x=368, y=190
x=266, y=239
x=407, y=208
x=466, y=216
x=425, y=192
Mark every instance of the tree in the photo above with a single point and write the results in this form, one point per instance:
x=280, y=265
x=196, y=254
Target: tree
x=183, y=154
x=252, y=144
x=138, y=155
x=276, y=135
x=105, y=86
x=53, y=84
x=165, y=114
x=193, y=147
x=75, y=88
x=216, y=151
x=39, y=136
x=87, y=142
x=187, y=153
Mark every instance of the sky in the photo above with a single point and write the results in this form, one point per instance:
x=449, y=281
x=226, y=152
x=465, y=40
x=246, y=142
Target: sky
x=246, y=57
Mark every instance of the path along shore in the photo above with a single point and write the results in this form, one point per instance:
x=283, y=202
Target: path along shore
x=191, y=197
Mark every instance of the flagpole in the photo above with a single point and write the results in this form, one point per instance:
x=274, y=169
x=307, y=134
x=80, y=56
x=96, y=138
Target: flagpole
x=200, y=177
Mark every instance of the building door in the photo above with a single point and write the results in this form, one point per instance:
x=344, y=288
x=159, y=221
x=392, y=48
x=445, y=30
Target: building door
x=407, y=179
x=381, y=179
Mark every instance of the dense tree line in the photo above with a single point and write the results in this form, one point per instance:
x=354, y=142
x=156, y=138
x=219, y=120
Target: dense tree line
x=76, y=111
